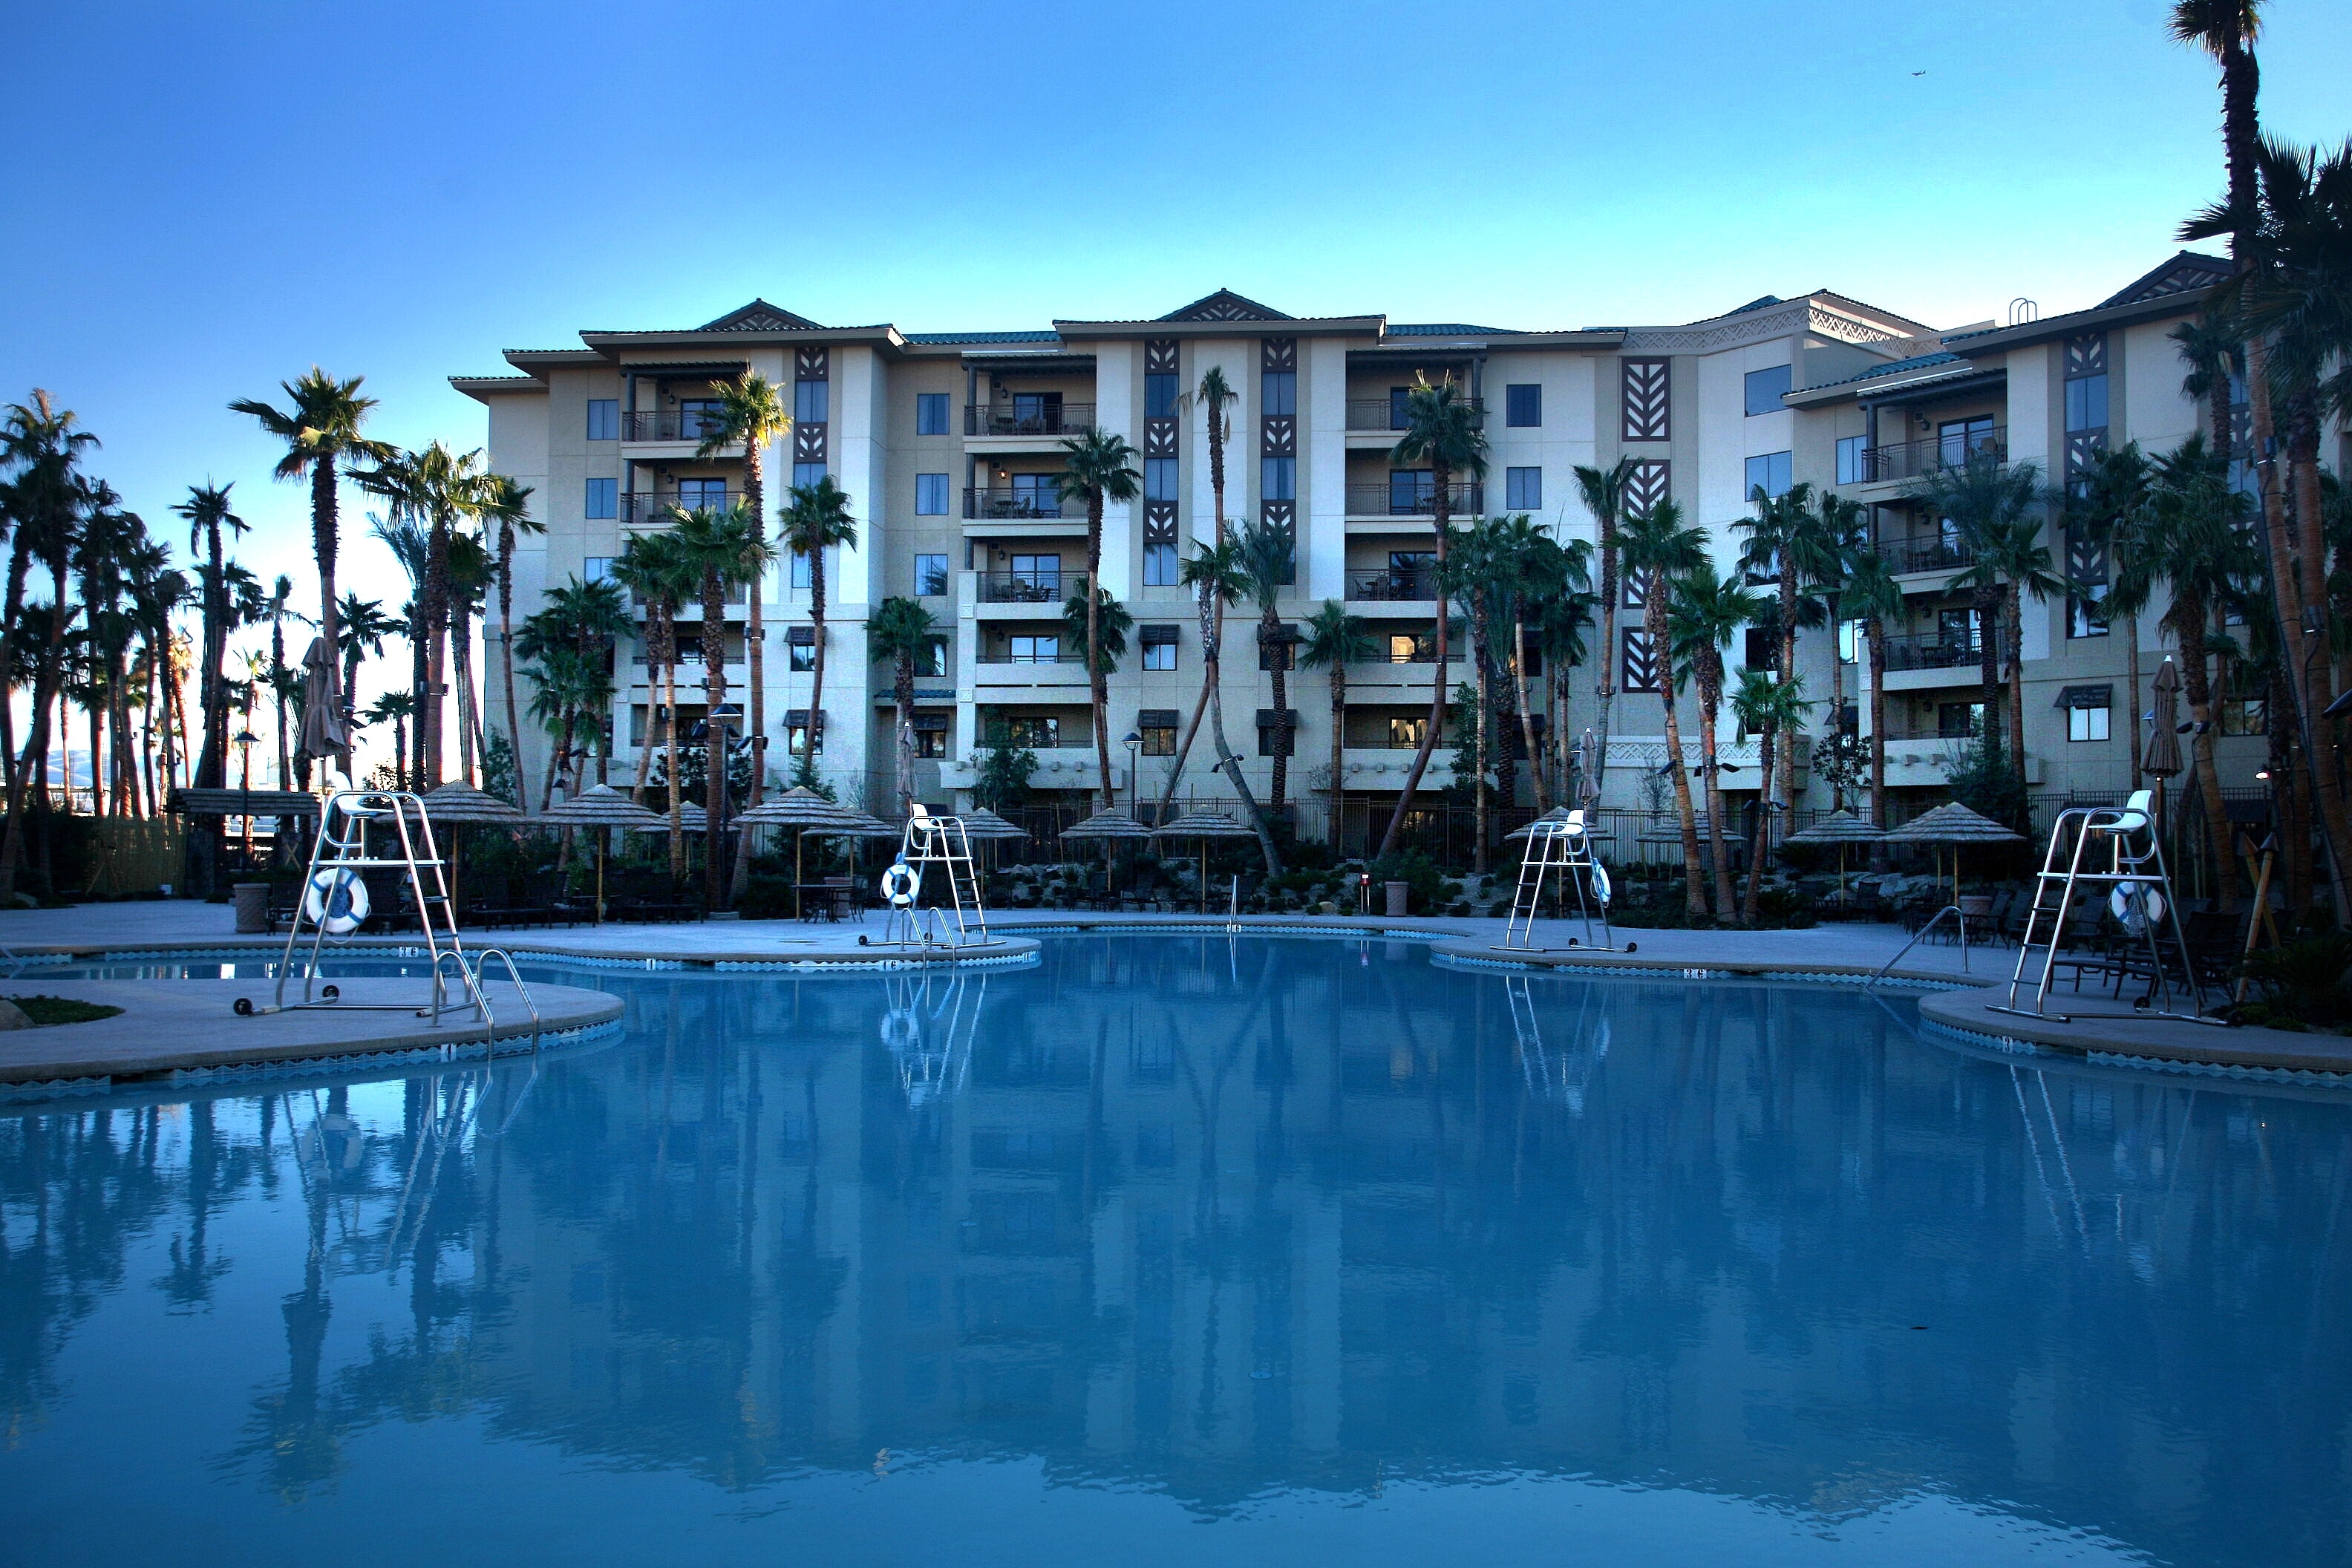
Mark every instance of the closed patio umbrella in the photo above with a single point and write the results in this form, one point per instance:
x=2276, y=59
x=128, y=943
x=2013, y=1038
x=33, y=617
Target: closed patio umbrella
x=326, y=733
x=600, y=805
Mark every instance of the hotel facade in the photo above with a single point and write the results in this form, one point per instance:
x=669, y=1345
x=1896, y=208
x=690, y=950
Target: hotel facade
x=948, y=444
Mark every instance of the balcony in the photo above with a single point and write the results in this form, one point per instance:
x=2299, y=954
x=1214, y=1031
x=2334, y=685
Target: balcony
x=670, y=425
x=1914, y=460
x=1933, y=650
x=1007, y=504
x=1007, y=656
x=1390, y=584
x=1377, y=414
x=1928, y=553
x=1404, y=500
x=649, y=509
x=1027, y=587
x=1021, y=419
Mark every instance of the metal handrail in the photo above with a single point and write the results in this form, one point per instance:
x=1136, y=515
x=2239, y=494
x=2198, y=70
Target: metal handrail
x=998, y=502
x=1027, y=587
x=1391, y=584
x=1380, y=414
x=1000, y=420
x=1464, y=498
x=515, y=976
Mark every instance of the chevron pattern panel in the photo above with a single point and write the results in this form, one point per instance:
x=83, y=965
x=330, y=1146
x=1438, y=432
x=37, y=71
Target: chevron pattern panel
x=1651, y=482
x=1641, y=665
x=2086, y=355
x=1159, y=356
x=1648, y=411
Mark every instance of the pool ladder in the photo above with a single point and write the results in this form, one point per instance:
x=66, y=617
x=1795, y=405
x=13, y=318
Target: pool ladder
x=469, y=976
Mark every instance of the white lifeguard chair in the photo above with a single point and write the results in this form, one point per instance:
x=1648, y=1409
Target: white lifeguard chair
x=931, y=841
x=1559, y=853
x=2115, y=850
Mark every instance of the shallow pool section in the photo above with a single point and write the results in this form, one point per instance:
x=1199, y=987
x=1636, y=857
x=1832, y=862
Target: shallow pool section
x=1186, y=1249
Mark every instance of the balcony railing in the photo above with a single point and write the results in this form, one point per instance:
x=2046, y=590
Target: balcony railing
x=1934, y=650
x=1912, y=459
x=1929, y=555
x=1383, y=413
x=1006, y=655
x=1013, y=420
x=1008, y=503
x=1398, y=499
x=644, y=508
x=669, y=425
x=1028, y=587
x=1416, y=656
x=1391, y=584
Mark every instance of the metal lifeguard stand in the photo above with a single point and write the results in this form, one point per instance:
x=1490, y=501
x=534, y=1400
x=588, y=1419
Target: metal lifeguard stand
x=2101, y=849
x=1560, y=849
x=939, y=841
x=359, y=831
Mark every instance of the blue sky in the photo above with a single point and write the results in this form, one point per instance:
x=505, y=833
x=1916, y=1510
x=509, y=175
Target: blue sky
x=203, y=200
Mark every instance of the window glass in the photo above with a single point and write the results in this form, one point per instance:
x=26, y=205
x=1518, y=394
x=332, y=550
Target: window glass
x=603, y=419
x=604, y=499
x=1411, y=490
x=2244, y=716
x=2087, y=723
x=694, y=494
x=1043, y=572
x=2086, y=403
x=799, y=568
x=1160, y=567
x=930, y=576
x=1770, y=472
x=1279, y=392
x=807, y=474
x=930, y=745
x=1159, y=739
x=1412, y=648
x=935, y=656
x=1158, y=396
x=1277, y=479
x=801, y=657
x=1523, y=489
x=1958, y=720
x=810, y=401
x=1277, y=741
x=1404, y=734
x=1765, y=387
x=1399, y=404
x=1040, y=732
x=1035, y=495
x=1160, y=479
x=931, y=495
x=1523, y=404
x=930, y=413
x=1849, y=642
x=1034, y=649
x=1160, y=647
x=1852, y=459
x=595, y=568
x=698, y=418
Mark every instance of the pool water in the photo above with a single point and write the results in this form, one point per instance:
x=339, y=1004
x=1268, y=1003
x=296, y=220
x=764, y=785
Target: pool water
x=1185, y=1249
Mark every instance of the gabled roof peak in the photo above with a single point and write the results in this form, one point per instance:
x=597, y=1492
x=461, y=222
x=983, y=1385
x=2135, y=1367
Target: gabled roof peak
x=2187, y=270
x=758, y=316
x=1225, y=305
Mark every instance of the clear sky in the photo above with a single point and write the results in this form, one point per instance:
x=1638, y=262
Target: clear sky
x=203, y=200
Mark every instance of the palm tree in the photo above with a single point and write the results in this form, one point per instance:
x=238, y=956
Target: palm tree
x=722, y=551
x=751, y=414
x=1097, y=468
x=1786, y=543
x=321, y=428
x=1214, y=397
x=571, y=640
x=1335, y=638
x=654, y=570
x=815, y=519
x=1213, y=573
x=2215, y=351
x=362, y=625
x=506, y=504
x=208, y=516
x=1560, y=619
x=1604, y=491
x=1657, y=547
x=1839, y=525
x=405, y=538
x=2226, y=29
x=1874, y=597
x=435, y=488
x=2191, y=536
x=2105, y=504
x=1529, y=569
x=1704, y=612
x=898, y=633
x=1269, y=561
x=1990, y=505
x=394, y=707
x=45, y=500
x=1445, y=432
x=279, y=591
x=1769, y=709
x=470, y=569
x=1468, y=572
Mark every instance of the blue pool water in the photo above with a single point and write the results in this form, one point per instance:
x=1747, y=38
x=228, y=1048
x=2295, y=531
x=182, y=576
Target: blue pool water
x=1185, y=1249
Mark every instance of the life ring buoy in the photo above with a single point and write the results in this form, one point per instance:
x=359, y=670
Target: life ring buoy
x=899, y=884
x=336, y=901
x=2137, y=906
x=1600, y=883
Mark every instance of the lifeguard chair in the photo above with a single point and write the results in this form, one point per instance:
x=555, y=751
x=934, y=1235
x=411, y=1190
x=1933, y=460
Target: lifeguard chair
x=1559, y=853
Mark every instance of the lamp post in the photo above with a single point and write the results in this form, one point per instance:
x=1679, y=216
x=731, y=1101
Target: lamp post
x=728, y=717
x=244, y=741
x=1132, y=743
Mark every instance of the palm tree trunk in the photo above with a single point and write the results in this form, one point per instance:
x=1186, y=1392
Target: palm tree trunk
x=902, y=739
x=1526, y=716
x=1755, y=890
x=277, y=674
x=1653, y=615
x=2197, y=686
x=1232, y=768
x=461, y=650
x=1212, y=652
x=2131, y=711
x=1098, y=693
x=2014, y=637
x=1481, y=731
x=1875, y=630
x=506, y=655
x=1782, y=783
x=323, y=545
x=714, y=694
x=20, y=560
x=755, y=498
x=1837, y=707
x=1711, y=698
x=669, y=760
x=1442, y=524
x=1278, y=655
x=1339, y=747
x=1605, y=686
x=437, y=597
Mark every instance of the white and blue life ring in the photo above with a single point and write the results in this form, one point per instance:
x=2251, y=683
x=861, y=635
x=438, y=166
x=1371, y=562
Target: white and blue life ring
x=336, y=901
x=1600, y=882
x=2137, y=906
x=899, y=881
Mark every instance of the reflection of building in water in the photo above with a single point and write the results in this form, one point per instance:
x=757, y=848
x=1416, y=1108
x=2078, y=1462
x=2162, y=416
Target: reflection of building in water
x=1188, y=1222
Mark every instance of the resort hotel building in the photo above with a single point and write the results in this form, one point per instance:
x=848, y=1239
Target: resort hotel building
x=948, y=444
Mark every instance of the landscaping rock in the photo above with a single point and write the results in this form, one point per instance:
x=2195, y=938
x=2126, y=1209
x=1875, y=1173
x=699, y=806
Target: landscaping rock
x=13, y=1017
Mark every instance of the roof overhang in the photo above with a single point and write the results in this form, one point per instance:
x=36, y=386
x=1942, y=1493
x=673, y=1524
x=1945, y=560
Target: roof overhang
x=482, y=388
x=1286, y=327
x=2000, y=340
x=1938, y=380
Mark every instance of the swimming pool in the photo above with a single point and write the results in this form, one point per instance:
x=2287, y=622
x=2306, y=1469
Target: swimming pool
x=1178, y=1250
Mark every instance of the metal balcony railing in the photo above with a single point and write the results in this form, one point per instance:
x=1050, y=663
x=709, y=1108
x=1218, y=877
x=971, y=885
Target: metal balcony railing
x=1028, y=587
x=1934, y=650
x=1386, y=414
x=648, y=509
x=1403, y=499
x=1391, y=584
x=669, y=425
x=1925, y=555
x=1006, y=655
x=1911, y=460
x=1005, y=502
x=1019, y=419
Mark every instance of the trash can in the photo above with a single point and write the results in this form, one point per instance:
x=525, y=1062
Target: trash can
x=1397, y=891
x=252, y=908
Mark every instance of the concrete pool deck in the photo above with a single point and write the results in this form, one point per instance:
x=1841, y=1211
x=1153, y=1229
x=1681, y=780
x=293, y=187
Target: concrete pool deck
x=1846, y=953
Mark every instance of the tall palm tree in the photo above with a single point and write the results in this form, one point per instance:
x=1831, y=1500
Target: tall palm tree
x=394, y=707
x=1658, y=547
x=2214, y=349
x=1874, y=597
x=898, y=633
x=506, y=506
x=1705, y=611
x=2227, y=30
x=1269, y=561
x=321, y=428
x=280, y=592
x=1988, y=504
x=1787, y=544
x=1528, y=568
x=722, y=551
x=437, y=489
x=1214, y=572
x=1097, y=468
x=752, y=415
x=2106, y=504
x=46, y=501
x=210, y=520
x=1561, y=617
x=655, y=570
x=1839, y=525
x=1769, y=709
x=2190, y=536
x=815, y=519
x=1604, y=491
x=470, y=569
x=1468, y=572
x=1335, y=638
x=362, y=625
x=1445, y=431
x=1214, y=397
x=405, y=538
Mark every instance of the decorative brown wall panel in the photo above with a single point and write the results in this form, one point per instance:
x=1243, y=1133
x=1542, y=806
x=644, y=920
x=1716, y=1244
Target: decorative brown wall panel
x=1644, y=386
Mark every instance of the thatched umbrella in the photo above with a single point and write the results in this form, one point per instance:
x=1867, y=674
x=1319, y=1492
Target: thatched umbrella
x=600, y=805
x=798, y=807
x=1953, y=824
x=455, y=802
x=1204, y=826
x=691, y=819
x=981, y=823
x=1106, y=826
x=1841, y=827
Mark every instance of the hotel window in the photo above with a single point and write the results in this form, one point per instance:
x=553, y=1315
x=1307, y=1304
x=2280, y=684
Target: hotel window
x=693, y=494
x=1852, y=459
x=1404, y=734
x=1160, y=479
x=603, y=500
x=930, y=576
x=930, y=413
x=595, y=568
x=603, y=419
x=1759, y=649
x=1157, y=727
x=2087, y=723
x=1034, y=650
x=1523, y=489
x=806, y=473
x=1523, y=405
x=930, y=735
x=1159, y=396
x=1279, y=392
x=698, y=418
x=1274, y=737
x=931, y=495
x=1400, y=404
x=1958, y=720
x=1765, y=388
x=1035, y=495
x=811, y=399
x=1849, y=642
x=1770, y=473
x=1158, y=647
x=799, y=568
x=2086, y=403
x=1277, y=479
x=1040, y=574
x=800, y=644
x=1412, y=491
x=2244, y=716
x=1277, y=650
x=934, y=661
x=1033, y=731
x=1160, y=568
x=1412, y=648
x=796, y=734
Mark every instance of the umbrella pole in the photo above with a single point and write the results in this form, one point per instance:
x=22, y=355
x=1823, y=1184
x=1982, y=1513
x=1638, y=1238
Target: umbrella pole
x=800, y=841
